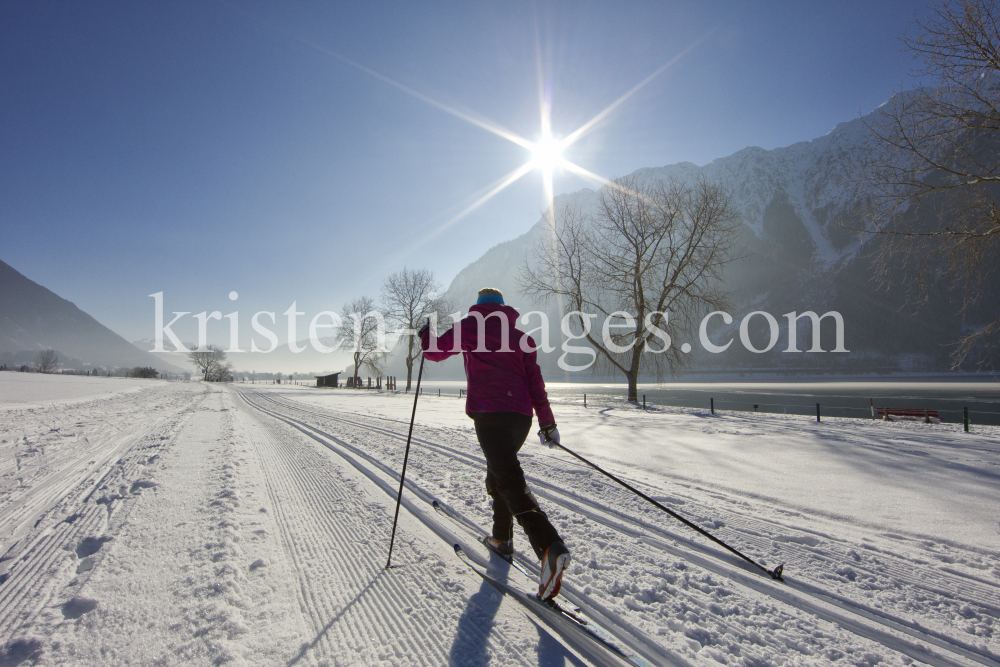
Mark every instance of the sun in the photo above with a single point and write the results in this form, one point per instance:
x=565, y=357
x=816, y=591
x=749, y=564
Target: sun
x=547, y=154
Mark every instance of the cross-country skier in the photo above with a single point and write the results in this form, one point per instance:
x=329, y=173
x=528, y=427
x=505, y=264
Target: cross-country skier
x=504, y=384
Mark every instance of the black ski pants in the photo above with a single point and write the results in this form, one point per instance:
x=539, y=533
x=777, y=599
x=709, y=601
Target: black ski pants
x=501, y=435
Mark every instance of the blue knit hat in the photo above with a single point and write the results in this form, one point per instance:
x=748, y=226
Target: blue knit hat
x=489, y=295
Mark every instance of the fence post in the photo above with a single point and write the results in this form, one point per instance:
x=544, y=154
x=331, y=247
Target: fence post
x=643, y=401
x=817, y=412
x=755, y=407
x=965, y=412
x=712, y=404
x=584, y=400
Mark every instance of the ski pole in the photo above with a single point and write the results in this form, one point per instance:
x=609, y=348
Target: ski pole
x=774, y=574
x=406, y=456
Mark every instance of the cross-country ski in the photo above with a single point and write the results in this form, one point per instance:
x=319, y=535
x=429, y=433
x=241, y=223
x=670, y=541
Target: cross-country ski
x=545, y=608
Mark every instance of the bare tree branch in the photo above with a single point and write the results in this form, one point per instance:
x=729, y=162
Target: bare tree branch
x=211, y=361
x=652, y=251
x=409, y=298
x=362, y=330
x=934, y=181
x=46, y=361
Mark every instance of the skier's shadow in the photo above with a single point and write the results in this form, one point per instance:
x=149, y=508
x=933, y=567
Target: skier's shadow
x=471, y=647
x=306, y=647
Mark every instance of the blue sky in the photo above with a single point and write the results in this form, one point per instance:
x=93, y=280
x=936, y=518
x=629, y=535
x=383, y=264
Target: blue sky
x=197, y=148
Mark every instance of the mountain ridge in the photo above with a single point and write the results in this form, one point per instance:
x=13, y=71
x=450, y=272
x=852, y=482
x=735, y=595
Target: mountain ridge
x=34, y=318
x=797, y=205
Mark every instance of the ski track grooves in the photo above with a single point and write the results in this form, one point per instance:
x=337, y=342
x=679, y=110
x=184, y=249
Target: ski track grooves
x=343, y=588
x=851, y=615
x=960, y=585
x=631, y=637
x=38, y=568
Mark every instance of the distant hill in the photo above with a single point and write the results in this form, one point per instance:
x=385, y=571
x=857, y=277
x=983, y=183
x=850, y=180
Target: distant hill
x=33, y=318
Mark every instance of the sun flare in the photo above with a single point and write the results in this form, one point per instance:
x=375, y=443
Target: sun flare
x=547, y=154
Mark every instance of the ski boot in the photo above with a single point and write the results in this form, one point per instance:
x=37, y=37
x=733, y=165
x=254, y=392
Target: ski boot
x=499, y=547
x=554, y=561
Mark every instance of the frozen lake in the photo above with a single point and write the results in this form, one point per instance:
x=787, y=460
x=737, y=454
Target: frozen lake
x=836, y=398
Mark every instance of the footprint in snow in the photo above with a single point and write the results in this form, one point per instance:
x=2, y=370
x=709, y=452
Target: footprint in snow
x=142, y=484
x=86, y=565
x=20, y=650
x=77, y=607
x=89, y=546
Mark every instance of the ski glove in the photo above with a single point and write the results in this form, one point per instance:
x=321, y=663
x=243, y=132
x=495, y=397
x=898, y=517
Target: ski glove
x=549, y=436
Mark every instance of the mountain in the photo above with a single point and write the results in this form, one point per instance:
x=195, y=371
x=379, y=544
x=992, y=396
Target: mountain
x=798, y=205
x=32, y=318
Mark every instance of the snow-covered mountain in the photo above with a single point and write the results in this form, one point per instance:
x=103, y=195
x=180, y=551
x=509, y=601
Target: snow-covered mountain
x=795, y=195
x=798, y=205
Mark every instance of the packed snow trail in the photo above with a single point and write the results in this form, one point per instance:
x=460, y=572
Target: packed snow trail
x=362, y=613
x=953, y=584
x=180, y=526
x=919, y=623
x=228, y=537
x=381, y=475
x=48, y=450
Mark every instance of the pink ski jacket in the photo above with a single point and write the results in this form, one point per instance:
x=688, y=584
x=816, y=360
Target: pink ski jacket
x=501, y=378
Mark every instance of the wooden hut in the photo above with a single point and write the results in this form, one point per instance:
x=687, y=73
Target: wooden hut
x=328, y=380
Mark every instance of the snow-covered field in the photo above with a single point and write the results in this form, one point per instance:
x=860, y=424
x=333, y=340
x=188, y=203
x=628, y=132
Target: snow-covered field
x=183, y=523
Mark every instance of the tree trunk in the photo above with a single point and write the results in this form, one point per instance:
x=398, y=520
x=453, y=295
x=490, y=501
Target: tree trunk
x=409, y=363
x=633, y=386
x=633, y=372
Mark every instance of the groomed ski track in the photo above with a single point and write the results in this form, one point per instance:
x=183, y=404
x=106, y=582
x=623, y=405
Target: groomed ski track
x=222, y=536
x=375, y=545
x=372, y=445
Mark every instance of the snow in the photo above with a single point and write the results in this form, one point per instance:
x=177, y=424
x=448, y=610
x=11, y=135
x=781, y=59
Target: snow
x=182, y=523
x=901, y=476
x=23, y=390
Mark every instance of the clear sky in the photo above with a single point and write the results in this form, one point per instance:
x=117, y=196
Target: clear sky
x=197, y=148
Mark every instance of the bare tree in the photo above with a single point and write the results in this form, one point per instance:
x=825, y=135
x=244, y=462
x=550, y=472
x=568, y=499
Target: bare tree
x=46, y=361
x=207, y=360
x=362, y=330
x=936, y=178
x=652, y=251
x=220, y=371
x=409, y=298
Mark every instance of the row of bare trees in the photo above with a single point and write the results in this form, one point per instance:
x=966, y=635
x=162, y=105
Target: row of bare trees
x=47, y=361
x=408, y=298
x=651, y=251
